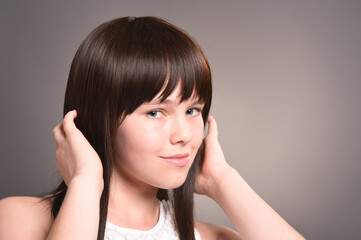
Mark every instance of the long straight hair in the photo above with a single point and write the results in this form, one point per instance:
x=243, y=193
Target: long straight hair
x=122, y=64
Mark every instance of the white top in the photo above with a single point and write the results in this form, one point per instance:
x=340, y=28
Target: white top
x=164, y=229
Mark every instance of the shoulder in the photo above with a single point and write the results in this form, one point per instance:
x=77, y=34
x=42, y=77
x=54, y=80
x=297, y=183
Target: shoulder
x=211, y=231
x=24, y=218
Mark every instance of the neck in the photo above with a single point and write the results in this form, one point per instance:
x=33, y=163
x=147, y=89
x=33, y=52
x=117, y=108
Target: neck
x=132, y=204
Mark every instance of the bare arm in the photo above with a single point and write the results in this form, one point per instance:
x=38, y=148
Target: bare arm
x=81, y=169
x=251, y=215
x=78, y=217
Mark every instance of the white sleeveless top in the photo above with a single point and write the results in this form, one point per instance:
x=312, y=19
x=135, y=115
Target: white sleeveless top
x=164, y=229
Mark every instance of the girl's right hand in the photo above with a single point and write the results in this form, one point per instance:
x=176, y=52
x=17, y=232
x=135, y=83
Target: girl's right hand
x=76, y=158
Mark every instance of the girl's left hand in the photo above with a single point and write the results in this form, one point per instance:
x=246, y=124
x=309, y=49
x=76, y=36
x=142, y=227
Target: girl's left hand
x=214, y=163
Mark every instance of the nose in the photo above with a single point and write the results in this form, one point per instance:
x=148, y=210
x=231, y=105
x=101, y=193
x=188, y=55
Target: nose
x=180, y=131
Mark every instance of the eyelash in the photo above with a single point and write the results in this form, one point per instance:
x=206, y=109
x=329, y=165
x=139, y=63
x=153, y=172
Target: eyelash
x=151, y=113
x=196, y=109
x=154, y=112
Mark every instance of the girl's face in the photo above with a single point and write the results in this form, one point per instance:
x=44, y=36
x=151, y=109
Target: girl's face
x=157, y=143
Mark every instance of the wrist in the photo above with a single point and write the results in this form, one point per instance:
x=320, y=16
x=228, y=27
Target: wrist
x=89, y=184
x=220, y=181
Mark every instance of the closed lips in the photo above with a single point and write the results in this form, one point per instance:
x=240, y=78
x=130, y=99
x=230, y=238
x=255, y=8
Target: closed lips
x=179, y=160
x=176, y=156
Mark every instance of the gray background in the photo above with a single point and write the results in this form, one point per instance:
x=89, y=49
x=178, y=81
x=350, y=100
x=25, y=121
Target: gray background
x=286, y=96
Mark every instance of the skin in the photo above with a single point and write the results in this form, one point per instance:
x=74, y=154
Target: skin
x=172, y=127
x=152, y=132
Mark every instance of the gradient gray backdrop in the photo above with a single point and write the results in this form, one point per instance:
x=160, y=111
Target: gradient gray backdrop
x=286, y=96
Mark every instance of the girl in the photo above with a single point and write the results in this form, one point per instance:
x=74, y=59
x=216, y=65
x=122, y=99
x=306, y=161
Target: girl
x=130, y=147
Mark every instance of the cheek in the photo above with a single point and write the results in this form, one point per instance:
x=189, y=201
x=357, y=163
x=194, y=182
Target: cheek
x=198, y=131
x=139, y=139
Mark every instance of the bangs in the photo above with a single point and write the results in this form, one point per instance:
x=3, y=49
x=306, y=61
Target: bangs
x=153, y=58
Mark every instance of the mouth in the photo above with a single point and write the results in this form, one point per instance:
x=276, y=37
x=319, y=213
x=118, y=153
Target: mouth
x=179, y=160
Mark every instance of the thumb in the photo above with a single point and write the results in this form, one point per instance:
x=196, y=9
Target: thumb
x=68, y=122
x=212, y=127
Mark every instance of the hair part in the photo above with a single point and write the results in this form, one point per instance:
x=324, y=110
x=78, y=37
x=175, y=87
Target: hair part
x=122, y=64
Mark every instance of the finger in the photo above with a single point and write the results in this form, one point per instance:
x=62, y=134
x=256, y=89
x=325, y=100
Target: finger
x=58, y=133
x=68, y=122
x=212, y=126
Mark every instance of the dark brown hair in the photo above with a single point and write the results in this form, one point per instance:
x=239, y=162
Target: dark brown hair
x=122, y=64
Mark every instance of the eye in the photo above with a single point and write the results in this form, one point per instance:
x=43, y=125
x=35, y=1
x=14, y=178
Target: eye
x=192, y=112
x=155, y=114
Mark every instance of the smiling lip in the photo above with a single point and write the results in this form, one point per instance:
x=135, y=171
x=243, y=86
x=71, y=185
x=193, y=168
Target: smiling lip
x=179, y=160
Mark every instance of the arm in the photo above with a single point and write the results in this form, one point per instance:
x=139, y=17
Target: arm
x=82, y=171
x=78, y=217
x=251, y=215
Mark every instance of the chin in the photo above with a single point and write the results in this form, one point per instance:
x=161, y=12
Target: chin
x=173, y=184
